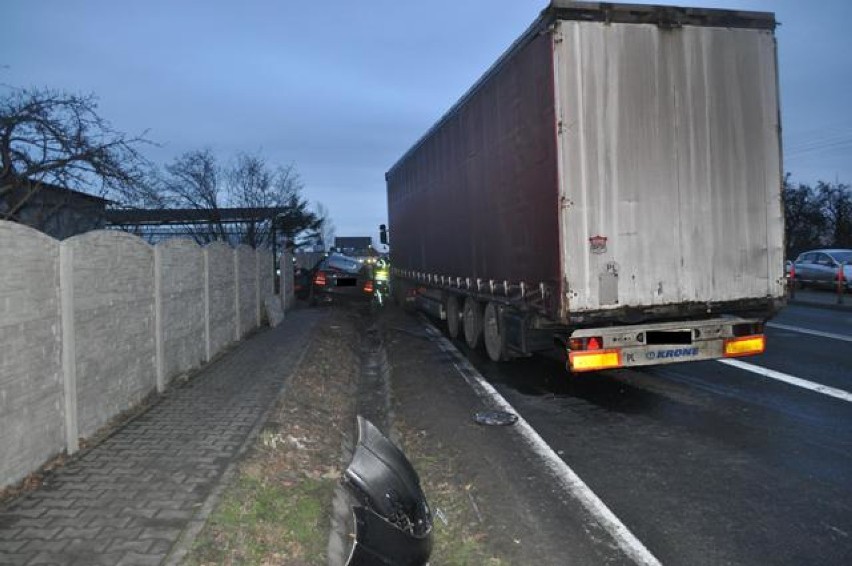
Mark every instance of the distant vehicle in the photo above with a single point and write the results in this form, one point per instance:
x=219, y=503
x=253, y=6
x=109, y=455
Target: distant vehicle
x=340, y=277
x=788, y=272
x=590, y=191
x=822, y=267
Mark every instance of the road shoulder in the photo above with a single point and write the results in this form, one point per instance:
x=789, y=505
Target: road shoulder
x=517, y=510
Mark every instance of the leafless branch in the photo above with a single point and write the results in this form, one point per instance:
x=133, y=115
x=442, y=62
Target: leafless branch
x=55, y=138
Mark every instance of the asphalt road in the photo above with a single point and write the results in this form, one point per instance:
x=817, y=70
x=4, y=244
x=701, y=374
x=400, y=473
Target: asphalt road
x=704, y=462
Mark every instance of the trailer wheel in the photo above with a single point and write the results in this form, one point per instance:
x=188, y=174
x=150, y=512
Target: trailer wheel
x=495, y=341
x=472, y=317
x=453, y=316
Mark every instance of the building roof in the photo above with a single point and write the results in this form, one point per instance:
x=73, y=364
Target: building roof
x=58, y=190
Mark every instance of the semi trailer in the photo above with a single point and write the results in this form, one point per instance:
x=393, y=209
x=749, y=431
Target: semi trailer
x=611, y=186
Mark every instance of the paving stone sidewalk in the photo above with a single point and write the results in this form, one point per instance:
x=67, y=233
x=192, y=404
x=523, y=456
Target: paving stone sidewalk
x=129, y=499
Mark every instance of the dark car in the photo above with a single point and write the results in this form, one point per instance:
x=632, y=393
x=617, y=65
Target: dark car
x=340, y=277
x=822, y=267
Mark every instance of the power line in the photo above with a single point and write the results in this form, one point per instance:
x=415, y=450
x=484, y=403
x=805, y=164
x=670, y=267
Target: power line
x=817, y=143
x=825, y=147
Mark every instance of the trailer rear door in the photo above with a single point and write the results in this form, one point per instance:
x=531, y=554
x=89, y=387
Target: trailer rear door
x=670, y=166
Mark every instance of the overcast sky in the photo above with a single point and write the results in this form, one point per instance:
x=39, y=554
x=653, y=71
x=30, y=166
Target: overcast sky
x=341, y=89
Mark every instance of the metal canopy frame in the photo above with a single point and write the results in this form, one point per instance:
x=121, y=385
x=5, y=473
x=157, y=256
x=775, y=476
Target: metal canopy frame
x=147, y=218
x=170, y=216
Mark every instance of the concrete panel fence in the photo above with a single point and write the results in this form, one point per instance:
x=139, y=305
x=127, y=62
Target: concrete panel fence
x=220, y=297
x=265, y=282
x=32, y=406
x=109, y=293
x=245, y=267
x=92, y=325
x=181, y=312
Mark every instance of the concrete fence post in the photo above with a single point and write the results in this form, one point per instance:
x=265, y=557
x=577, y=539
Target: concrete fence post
x=236, y=293
x=69, y=346
x=158, y=319
x=208, y=353
x=258, y=300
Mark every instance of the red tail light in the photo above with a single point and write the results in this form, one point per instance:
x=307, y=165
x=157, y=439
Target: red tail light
x=368, y=286
x=592, y=343
x=319, y=279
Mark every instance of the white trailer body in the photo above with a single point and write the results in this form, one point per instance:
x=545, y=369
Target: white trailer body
x=612, y=184
x=669, y=147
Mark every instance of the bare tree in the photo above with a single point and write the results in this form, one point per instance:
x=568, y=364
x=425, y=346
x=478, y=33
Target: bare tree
x=196, y=180
x=193, y=180
x=326, y=230
x=837, y=207
x=253, y=183
x=52, y=138
x=817, y=216
x=804, y=223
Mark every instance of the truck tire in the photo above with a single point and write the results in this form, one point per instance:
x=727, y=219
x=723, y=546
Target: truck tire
x=453, y=317
x=492, y=334
x=472, y=317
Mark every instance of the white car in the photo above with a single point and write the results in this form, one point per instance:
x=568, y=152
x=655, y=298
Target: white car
x=822, y=267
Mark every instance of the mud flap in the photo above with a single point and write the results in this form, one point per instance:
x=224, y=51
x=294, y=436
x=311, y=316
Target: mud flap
x=393, y=523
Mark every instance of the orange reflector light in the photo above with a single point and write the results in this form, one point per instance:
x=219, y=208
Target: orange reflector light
x=745, y=346
x=591, y=360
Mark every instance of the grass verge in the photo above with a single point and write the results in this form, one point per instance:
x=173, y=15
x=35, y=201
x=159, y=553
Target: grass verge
x=263, y=522
x=277, y=509
x=460, y=538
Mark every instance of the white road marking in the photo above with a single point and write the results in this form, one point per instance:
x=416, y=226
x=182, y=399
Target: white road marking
x=801, y=330
x=568, y=479
x=792, y=380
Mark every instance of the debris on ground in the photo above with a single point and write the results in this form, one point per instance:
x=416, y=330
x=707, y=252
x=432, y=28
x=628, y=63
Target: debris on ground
x=278, y=509
x=495, y=418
